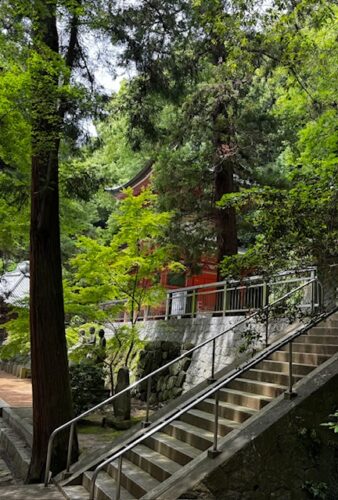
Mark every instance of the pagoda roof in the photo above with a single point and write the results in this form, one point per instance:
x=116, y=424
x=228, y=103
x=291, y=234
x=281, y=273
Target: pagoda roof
x=136, y=182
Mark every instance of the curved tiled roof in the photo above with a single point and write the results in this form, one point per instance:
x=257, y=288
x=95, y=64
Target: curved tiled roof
x=14, y=286
x=142, y=176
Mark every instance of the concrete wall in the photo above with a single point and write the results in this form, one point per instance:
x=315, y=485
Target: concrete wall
x=190, y=332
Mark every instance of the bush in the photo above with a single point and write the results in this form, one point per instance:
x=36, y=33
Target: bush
x=87, y=385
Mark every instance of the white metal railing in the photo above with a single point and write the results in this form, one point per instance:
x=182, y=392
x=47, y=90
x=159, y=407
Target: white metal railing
x=227, y=297
x=315, y=291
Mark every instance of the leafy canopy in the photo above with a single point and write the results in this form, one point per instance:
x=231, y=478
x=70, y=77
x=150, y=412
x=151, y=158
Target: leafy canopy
x=124, y=265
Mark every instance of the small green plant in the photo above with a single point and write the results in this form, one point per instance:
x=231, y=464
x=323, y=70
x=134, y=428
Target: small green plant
x=315, y=490
x=250, y=337
x=87, y=385
x=334, y=423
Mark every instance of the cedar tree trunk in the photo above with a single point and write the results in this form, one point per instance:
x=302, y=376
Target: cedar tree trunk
x=225, y=218
x=52, y=404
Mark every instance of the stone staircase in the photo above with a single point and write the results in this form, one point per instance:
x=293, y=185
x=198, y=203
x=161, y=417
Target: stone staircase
x=165, y=454
x=15, y=440
x=15, y=451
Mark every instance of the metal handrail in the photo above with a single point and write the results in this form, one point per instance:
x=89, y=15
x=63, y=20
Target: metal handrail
x=71, y=423
x=178, y=412
x=242, y=281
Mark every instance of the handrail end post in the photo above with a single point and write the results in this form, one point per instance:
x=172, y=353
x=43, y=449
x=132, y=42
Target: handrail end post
x=290, y=395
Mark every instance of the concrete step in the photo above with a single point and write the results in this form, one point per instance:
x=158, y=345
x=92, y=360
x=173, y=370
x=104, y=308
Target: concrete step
x=195, y=436
x=283, y=367
x=318, y=339
x=6, y=476
x=19, y=419
x=246, y=384
x=105, y=487
x=134, y=479
x=176, y=450
x=300, y=357
x=323, y=330
x=206, y=421
x=245, y=399
x=270, y=377
x=317, y=348
x=156, y=464
x=331, y=323
x=32, y=492
x=77, y=492
x=15, y=449
x=229, y=411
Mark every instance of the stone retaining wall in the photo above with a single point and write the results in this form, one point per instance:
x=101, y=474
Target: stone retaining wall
x=186, y=333
x=168, y=384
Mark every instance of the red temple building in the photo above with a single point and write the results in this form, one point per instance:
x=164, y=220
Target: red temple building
x=207, y=265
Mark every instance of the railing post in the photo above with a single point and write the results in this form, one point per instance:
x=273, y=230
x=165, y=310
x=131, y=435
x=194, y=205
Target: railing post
x=70, y=446
x=212, y=378
x=193, y=303
x=267, y=327
x=214, y=451
x=146, y=422
x=167, y=306
x=290, y=394
x=264, y=294
x=267, y=311
x=49, y=459
x=313, y=292
x=118, y=481
x=224, y=308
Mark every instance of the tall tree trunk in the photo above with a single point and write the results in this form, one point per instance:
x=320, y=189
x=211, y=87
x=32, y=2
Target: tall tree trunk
x=225, y=218
x=52, y=404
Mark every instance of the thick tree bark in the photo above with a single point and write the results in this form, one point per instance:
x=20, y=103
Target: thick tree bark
x=52, y=404
x=225, y=218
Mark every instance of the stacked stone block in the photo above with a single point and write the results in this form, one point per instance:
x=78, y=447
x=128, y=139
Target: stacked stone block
x=168, y=384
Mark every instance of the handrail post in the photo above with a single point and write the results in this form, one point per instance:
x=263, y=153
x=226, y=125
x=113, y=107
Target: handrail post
x=118, y=481
x=266, y=304
x=193, y=303
x=264, y=294
x=290, y=394
x=167, y=306
x=313, y=292
x=212, y=378
x=224, y=307
x=214, y=451
x=146, y=422
x=70, y=446
x=49, y=459
x=267, y=327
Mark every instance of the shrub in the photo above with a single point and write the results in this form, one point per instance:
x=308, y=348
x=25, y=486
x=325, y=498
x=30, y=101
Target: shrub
x=87, y=385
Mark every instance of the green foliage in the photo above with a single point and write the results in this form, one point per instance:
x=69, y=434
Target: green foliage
x=87, y=385
x=121, y=271
x=316, y=490
x=298, y=224
x=334, y=423
x=250, y=338
x=18, y=340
